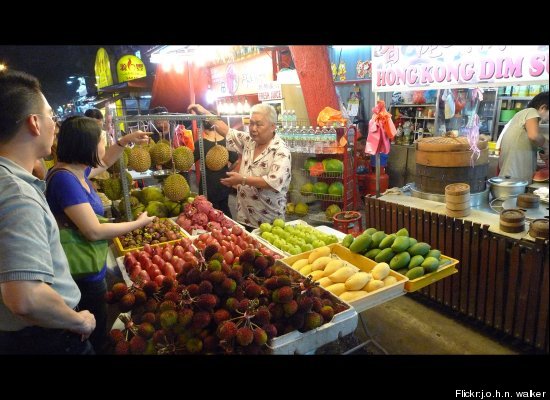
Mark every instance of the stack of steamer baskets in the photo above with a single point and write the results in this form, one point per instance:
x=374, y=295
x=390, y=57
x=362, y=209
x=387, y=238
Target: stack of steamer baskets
x=457, y=200
x=512, y=221
x=442, y=160
x=528, y=200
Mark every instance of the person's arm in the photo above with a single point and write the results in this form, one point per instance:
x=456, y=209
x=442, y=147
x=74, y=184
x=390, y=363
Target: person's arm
x=532, y=128
x=113, y=153
x=37, y=303
x=234, y=178
x=221, y=127
x=86, y=221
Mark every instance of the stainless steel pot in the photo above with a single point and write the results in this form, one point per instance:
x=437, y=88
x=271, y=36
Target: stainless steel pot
x=505, y=186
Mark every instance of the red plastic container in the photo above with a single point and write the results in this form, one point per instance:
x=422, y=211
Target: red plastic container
x=371, y=181
x=348, y=222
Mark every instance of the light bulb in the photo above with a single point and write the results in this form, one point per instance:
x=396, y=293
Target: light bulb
x=246, y=107
x=239, y=107
x=231, y=108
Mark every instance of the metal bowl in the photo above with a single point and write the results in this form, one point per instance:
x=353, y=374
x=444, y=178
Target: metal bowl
x=506, y=186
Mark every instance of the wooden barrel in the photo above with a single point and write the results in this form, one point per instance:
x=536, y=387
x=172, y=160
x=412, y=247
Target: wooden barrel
x=457, y=200
x=528, y=200
x=539, y=228
x=441, y=161
x=512, y=221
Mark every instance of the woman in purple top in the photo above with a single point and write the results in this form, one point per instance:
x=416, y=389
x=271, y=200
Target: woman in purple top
x=81, y=155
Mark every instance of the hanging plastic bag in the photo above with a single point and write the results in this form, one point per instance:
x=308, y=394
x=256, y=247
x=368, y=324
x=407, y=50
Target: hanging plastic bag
x=328, y=115
x=447, y=97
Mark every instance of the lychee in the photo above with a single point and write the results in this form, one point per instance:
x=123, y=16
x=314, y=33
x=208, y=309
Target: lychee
x=327, y=312
x=313, y=321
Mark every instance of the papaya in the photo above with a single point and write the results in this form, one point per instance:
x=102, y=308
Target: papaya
x=416, y=261
x=430, y=264
x=412, y=242
x=384, y=256
x=371, y=231
x=361, y=243
x=372, y=253
x=399, y=261
x=402, y=232
x=377, y=238
x=419, y=249
x=414, y=273
x=387, y=241
x=401, y=243
x=434, y=253
x=348, y=240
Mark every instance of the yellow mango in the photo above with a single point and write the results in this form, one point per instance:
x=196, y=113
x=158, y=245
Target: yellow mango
x=320, y=263
x=342, y=274
x=333, y=266
x=299, y=264
x=325, y=281
x=353, y=295
x=337, y=288
x=374, y=284
x=357, y=280
x=305, y=271
x=322, y=251
x=316, y=275
x=380, y=271
x=389, y=280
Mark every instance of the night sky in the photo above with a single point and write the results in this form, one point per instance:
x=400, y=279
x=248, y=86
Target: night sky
x=52, y=65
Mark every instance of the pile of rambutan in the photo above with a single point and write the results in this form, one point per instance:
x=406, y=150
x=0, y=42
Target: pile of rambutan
x=217, y=308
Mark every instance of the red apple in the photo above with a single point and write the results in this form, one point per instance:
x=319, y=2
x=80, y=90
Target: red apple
x=158, y=279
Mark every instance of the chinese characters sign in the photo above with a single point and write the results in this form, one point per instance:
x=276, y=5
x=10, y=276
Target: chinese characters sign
x=408, y=67
x=130, y=67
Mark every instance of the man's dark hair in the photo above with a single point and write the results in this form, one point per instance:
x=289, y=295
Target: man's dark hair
x=539, y=100
x=94, y=113
x=20, y=95
x=77, y=141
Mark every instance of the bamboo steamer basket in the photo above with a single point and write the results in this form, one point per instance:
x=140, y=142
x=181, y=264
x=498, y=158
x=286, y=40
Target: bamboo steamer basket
x=539, y=228
x=457, y=200
x=512, y=221
x=528, y=200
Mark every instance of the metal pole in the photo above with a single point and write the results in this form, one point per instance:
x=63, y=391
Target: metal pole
x=377, y=174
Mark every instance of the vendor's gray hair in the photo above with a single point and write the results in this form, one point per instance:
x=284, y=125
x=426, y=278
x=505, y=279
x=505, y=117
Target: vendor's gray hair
x=267, y=110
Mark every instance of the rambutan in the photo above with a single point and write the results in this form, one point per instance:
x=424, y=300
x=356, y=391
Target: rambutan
x=194, y=345
x=137, y=345
x=305, y=303
x=262, y=316
x=210, y=250
x=253, y=290
x=146, y=330
x=151, y=305
x=141, y=297
x=110, y=297
x=193, y=276
x=122, y=348
x=210, y=343
x=167, y=305
x=260, y=336
x=244, y=336
x=185, y=316
x=298, y=320
x=168, y=319
x=172, y=296
x=221, y=315
x=270, y=330
x=217, y=277
x=290, y=308
x=282, y=295
x=249, y=255
x=127, y=302
x=205, y=287
x=313, y=320
x=150, y=288
x=119, y=289
x=207, y=301
x=231, y=304
x=276, y=311
x=193, y=289
x=148, y=317
x=261, y=262
x=317, y=304
x=327, y=312
x=214, y=265
x=228, y=285
x=226, y=330
x=115, y=336
x=201, y=319
x=167, y=284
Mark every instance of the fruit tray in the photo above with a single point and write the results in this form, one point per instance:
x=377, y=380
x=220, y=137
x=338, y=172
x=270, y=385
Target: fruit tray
x=122, y=268
x=365, y=264
x=197, y=232
x=257, y=235
x=119, y=250
x=326, y=174
x=296, y=342
x=428, y=279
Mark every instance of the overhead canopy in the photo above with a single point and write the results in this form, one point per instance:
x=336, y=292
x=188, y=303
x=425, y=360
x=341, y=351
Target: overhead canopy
x=432, y=67
x=136, y=85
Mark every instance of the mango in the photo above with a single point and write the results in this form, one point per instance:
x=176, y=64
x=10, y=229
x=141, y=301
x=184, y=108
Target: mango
x=347, y=240
x=353, y=295
x=322, y=251
x=419, y=249
x=401, y=260
x=389, y=280
x=372, y=253
x=401, y=243
x=430, y=264
x=402, y=232
x=357, y=280
x=325, y=281
x=333, y=266
x=337, y=288
x=384, y=256
x=415, y=273
x=374, y=284
x=342, y=274
x=434, y=253
x=387, y=241
x=361, y=243
x=415, y=261
x=370, y=231
x=380, y=271
x=377, y=238
x=316, y=275
x=299, y=264
x=320, y=263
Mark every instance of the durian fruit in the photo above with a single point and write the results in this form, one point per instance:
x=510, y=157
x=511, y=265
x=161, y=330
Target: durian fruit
x=134, y=202
x=140, y=160
x=157, y=209
x=112, y=188
x=183, y=158
x=217, y=157
x=160, y=153
x=176, y=187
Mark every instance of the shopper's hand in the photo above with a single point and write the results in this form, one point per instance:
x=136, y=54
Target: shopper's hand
x=198, y=109
x=87, y=325
x=144, y=218
x=138, y=137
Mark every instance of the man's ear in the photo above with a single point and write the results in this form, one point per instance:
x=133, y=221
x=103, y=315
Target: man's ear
x=32, y=124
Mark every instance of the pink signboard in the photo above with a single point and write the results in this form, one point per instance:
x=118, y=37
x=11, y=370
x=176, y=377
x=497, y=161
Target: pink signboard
x=412, y=67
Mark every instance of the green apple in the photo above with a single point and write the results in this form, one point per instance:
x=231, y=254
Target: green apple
x=279, y=222
x=265, y=227
x=317, y=243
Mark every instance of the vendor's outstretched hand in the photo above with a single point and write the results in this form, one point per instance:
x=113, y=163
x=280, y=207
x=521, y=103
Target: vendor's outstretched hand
x=233, y=178
x=138, y=137
x=198, y=109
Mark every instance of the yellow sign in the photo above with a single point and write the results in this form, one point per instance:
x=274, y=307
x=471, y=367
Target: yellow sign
x=130, y=67
x=103, y=69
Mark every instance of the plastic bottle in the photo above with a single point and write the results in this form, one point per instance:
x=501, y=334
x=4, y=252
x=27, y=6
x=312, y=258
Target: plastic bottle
x=333, y=145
